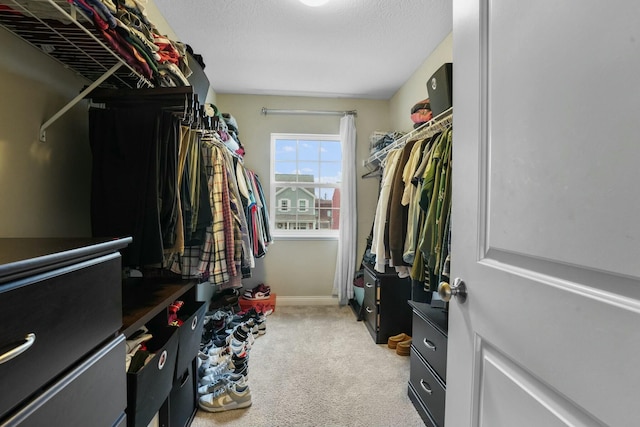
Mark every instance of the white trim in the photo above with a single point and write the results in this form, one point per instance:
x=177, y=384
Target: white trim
x=274, y=207
x=303, y=301
x=279, y=234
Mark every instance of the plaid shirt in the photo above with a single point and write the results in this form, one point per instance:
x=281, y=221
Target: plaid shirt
x=213, y=262
x=239, y=229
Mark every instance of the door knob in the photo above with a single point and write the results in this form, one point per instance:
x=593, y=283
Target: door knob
x=458, y=290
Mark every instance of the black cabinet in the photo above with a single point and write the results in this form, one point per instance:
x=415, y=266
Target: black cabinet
x=67, y=312
x=60, y=342
x=385, y=307
x=427, y=378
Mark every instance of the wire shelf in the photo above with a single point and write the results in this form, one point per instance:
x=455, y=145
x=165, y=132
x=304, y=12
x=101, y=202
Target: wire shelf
x=439, y=123
x=60, y=30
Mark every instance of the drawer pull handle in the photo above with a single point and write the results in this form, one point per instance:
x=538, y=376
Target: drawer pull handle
x=425, y=386
x=429, y=344
x=369, y=310
x=28, y=342
x=368, y=285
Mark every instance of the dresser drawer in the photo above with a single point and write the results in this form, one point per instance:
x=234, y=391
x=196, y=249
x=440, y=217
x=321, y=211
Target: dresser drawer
x=431, y=344
x=370, y=315
x=370, y=288
x=69, y=311
x=370, y=302
x=82, y=397
x=429, y=389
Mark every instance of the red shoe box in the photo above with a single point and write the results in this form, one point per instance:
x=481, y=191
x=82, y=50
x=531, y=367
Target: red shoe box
x=261, y=305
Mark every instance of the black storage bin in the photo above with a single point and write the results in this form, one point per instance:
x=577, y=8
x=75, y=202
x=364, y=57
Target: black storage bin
x=182, y=403
x=189, y=336
x=198, y=79
x=149, y=388
x=440, y=88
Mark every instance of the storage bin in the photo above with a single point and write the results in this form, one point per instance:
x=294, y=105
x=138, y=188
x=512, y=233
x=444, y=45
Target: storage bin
x=182, y=399
x=189, y=336
x=149, y=388
x=358, y=293
x=261, y=305
x=440, y=88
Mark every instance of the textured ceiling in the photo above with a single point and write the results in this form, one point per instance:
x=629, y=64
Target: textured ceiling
x=347, y=48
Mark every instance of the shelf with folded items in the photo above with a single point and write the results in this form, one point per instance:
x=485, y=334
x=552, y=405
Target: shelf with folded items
x=63, y=32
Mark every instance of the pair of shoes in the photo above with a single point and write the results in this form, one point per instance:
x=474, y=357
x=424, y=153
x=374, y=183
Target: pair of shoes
x=393, y=341
x=234, y=396
x=225, y=298
x=261, y=291
x=404, y=347
x=222, y=381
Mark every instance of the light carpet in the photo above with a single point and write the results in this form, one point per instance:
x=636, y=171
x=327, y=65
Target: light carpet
x=318, y=366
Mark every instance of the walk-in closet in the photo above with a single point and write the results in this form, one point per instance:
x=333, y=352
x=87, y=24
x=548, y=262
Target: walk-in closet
x=319, y=213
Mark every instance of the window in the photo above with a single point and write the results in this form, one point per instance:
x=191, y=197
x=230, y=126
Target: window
x=306, y=172
x=283, y=205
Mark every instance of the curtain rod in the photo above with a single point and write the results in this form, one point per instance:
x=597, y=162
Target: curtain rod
x=266, y=111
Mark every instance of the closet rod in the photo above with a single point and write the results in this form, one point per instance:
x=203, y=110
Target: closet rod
x=266, y=111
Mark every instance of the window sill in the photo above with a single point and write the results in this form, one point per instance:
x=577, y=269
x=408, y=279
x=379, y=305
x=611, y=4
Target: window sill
x=303, y=236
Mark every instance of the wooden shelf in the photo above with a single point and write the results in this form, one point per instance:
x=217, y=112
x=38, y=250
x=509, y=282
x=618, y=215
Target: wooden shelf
x=143, y=299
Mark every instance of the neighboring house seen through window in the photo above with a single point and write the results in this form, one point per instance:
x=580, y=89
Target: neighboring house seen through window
x=306, y=172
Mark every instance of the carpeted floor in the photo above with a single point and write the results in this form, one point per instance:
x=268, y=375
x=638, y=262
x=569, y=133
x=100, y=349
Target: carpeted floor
x=318, y=366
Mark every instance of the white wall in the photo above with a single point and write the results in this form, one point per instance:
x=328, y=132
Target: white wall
x=304, y=269
x=44, y=187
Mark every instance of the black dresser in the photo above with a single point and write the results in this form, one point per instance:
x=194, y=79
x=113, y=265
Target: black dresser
x=60, y=341
x=385, y=307
x=428, y=371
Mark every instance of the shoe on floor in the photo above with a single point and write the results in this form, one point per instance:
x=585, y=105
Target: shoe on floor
x=235, y=396
x=224, y=381
x=394, y=340
x=404, y=347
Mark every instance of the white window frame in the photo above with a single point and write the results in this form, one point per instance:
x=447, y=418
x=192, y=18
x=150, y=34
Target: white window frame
x=302, y=208
x=312, y=234
x=281, y=208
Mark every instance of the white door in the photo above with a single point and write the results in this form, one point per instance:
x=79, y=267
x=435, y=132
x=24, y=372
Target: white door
x=546, y=214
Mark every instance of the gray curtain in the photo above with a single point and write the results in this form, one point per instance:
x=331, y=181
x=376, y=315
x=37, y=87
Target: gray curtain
x=347, y=243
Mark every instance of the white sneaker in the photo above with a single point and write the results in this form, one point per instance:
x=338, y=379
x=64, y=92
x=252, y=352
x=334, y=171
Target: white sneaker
x=234, y=396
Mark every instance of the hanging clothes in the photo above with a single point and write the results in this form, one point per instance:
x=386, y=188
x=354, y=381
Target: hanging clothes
x=127, y=152
x=188, y=201
x=431, y=201
x=397, y=214
x=380, y=222
x=412, y=229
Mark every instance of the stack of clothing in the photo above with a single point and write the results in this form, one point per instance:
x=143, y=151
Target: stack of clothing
x=125, y=27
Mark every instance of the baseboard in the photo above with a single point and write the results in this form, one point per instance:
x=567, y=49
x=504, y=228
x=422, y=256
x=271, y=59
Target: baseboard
x=318, y=300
